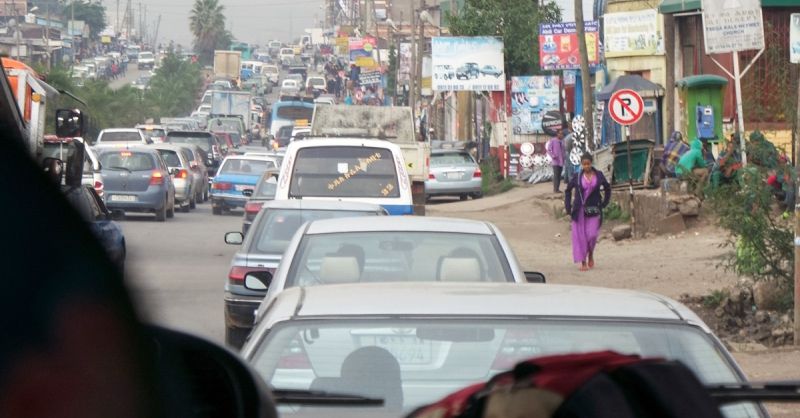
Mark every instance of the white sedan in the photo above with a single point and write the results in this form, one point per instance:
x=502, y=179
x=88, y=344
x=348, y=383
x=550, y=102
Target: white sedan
x=290, y=87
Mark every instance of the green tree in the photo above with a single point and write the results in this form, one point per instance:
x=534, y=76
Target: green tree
x=207, y=23
x=516, y=21
x=174, y=87
x=93, y=13
x=391, y=77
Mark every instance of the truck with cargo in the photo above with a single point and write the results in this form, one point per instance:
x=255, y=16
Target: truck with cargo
x=393, y=124
x=227, y=64
x=232, y=103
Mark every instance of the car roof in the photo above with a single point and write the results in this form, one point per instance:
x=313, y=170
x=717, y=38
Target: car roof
x=142, y=148
x=251, y=157
x=349, y=142
x=477, y=299
x=401, y=223
x=190, y=133
x=311, y=204
x=120, y=130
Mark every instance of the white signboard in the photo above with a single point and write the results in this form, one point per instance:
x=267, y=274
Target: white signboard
x=732, y=25
x=794, y=39
x=472, y=63
x=629, y=34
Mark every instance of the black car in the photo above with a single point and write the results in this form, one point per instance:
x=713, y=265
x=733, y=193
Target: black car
x=468, y=71
x=206, y=141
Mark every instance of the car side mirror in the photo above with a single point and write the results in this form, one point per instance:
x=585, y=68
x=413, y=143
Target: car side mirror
x=69, y=123
x=534, y=277
x=247, y=192
x=234, y=238
x=257, y=280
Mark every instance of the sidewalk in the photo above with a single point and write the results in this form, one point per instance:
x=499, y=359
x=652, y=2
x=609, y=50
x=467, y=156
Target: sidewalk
x=518, y=194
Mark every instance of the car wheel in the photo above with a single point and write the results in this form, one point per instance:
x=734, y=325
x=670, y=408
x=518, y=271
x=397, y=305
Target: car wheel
x=161, y=214
x=234, y=337
x=463, y=196
x=477, y=195
x=186, y=208
x=216, y=210
x=171, y=210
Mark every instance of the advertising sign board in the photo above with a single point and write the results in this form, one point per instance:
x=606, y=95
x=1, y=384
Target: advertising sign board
x=558, y=45
x=468, y=63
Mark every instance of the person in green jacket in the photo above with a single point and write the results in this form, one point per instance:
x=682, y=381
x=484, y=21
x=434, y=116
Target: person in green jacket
x=693, y=165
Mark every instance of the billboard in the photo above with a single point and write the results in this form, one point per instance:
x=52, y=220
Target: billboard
x=558, y=45
x=473, y=63
x=629, y=34
x=404, y=63
x=794, y=39
x=361, y=51
x=730, y=25
x=531, y=98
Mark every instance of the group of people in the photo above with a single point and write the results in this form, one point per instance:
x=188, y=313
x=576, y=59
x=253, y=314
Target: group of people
x=587, y=194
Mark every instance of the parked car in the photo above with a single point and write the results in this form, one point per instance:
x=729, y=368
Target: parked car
x=262, y=251
x=453, y=173
x=137, y=180
x=236, y=174
x=94, y=211
x=491, y=70
x=125, y=137
x=63, y=148
x=410, y=344
x=178, y=160
x=263, y=192
x=468, y=71
x=214, y=152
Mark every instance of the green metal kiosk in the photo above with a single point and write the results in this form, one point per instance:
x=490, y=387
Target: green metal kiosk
x=701, y=106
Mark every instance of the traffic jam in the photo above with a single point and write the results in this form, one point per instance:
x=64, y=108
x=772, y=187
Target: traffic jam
x=299, y=243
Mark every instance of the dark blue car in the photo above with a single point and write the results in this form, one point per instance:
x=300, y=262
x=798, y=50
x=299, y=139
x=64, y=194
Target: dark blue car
x=92, y=209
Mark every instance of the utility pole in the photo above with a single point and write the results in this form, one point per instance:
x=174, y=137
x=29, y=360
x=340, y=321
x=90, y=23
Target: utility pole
x=116, y=24
x=155, y=35
x=47, y=36
x=421, y=46
x=413, y=76
x=586, y=85
x=797, y=229
x=141, y=32
x=72, y=17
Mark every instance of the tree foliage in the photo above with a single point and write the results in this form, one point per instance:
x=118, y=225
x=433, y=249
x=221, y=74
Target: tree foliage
x=516, y=21
x=92, y=13
x=207, y=23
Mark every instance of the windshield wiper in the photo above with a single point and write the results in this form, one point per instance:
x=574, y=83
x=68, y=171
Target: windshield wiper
x=119, y=168
x=318, y=397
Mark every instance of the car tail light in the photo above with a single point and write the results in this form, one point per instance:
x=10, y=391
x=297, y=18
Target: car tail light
x=98, y=186
x=222, y=186
x=182, y=174
x=237, y=273
x=431, y=176
x=253, y=207
x=156, y=178
x=477, y=174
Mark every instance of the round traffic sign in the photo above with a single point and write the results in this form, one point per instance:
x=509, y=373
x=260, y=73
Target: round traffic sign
x=626, y=107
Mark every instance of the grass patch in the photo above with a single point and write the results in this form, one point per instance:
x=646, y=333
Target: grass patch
x=614, y=212
x=715, y=298
x=491, y=181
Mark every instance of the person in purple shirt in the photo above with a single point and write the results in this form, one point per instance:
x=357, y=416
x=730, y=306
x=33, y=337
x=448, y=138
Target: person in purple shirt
x=555, y=149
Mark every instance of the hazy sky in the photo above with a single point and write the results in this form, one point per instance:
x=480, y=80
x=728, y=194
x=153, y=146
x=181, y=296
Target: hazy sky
x=250, y=20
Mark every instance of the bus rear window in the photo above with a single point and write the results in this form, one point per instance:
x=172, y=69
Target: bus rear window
x=295, y=112
x=344, y=171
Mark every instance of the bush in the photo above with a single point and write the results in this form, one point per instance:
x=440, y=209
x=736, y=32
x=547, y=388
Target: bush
x=761, y=236
x=614, y=212
x=492, y=181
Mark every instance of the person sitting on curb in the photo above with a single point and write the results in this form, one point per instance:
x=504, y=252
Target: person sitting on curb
x=692, y=166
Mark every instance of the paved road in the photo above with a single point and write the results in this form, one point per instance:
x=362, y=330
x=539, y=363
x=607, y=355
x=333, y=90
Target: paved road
x=177, y=269
x=130, y=77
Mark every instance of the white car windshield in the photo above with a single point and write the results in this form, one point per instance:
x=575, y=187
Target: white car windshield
x=385, y=256
x=412, y=362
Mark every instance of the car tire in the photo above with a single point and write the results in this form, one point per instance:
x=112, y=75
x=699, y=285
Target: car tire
x=235, y=337
x=463, y=196
x=186, y=208
x=161, y=214
x=171, y=210
x=477, y=195
x=216, y=210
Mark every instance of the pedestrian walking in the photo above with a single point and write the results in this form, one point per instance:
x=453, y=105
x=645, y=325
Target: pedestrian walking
x=555, y=149
x=586, y=210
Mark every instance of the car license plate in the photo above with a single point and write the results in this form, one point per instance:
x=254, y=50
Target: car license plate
x=122, y=198
x=406, y=349
x=242, y=187
x=454, y=176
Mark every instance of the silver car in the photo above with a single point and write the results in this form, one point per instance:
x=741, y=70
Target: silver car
x=122, y=137
x=454, y=173
x=411, y=344
x=178, y=159
x=392, y=249
x=262, y=250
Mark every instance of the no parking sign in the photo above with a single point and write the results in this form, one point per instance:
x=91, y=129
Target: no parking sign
x=626, y=107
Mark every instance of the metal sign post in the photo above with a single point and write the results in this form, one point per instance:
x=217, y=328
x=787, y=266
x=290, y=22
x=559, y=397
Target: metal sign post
x=626, y=107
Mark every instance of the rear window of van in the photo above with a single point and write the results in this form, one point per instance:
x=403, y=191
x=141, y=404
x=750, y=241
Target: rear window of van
x=344, y=171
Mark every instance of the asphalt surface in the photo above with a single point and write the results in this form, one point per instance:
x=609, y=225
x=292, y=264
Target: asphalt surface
x=177, y=269
x=130, y=76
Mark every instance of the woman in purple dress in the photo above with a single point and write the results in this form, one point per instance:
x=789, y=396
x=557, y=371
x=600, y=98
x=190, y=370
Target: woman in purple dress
x=586, y=210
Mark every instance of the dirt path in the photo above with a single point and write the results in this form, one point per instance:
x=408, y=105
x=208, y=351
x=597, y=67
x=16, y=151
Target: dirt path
x=668, y=265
